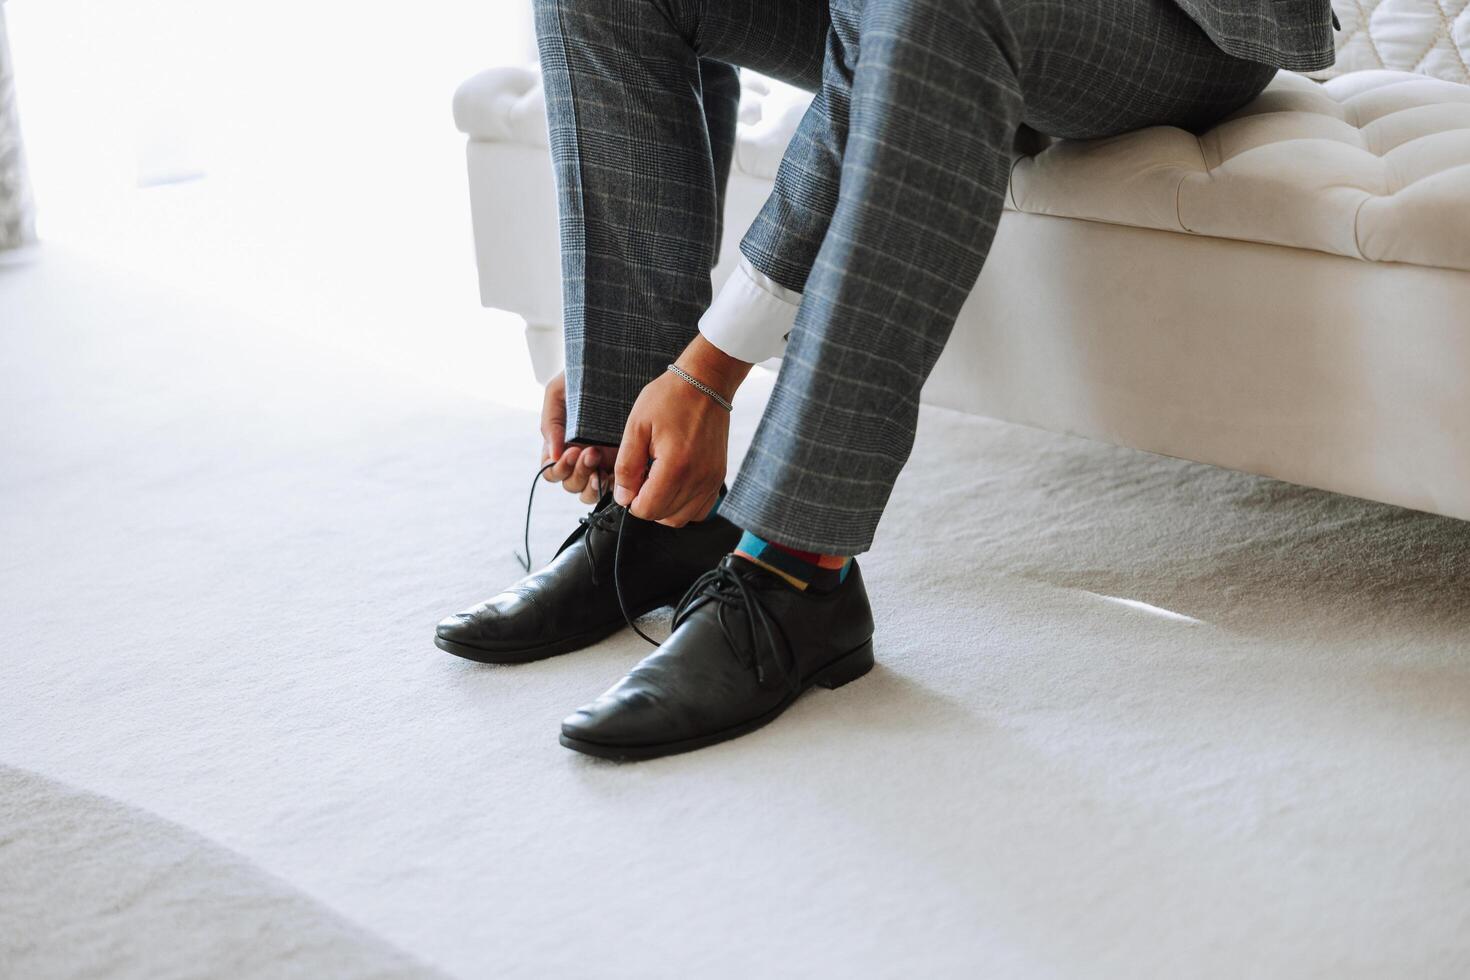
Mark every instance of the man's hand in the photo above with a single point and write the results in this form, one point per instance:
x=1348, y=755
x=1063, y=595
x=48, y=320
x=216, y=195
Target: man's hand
x=585, y=471
x=672, y=459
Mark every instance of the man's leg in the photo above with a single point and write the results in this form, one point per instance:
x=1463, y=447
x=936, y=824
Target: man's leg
x=937, y=94
x=938, y=90
x=641, y=101
x=783, y=240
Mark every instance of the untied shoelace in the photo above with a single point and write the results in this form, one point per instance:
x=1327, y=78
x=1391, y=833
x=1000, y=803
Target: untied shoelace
x=720, y=584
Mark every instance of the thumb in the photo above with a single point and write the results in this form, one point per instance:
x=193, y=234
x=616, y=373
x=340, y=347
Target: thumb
x=553, y=443
x=554, y=423
x=632, y=465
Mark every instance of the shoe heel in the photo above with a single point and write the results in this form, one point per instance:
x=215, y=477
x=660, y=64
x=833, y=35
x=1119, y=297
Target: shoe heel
x=846, y=668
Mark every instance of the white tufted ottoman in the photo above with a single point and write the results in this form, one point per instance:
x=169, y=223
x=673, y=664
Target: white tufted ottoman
x=1288, y=294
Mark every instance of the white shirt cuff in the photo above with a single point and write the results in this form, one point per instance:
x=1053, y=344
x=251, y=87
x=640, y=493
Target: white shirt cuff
x=752, y=316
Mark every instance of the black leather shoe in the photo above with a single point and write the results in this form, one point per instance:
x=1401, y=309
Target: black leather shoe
x=571, y=603
x=745, y=645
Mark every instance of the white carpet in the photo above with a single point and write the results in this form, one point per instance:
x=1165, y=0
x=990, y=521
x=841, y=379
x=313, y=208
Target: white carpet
x=97, y=889
x=1133, y=716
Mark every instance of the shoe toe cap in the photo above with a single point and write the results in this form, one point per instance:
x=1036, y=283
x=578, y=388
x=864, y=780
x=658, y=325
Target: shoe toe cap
x=506, y=618
x=458, y=627
x=624, y=717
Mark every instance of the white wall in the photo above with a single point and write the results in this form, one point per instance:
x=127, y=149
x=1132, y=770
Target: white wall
x=325, y=193
x=118, y=94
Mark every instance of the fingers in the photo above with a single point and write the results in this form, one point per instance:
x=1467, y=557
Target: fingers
x=661, y=492
x=672, y=456
x=554, y=419
x=553, y=443
x=632, y=464
x=697, y=509
x=565, y=465
x=687, y=494
x=592, y=493
x=586, y=468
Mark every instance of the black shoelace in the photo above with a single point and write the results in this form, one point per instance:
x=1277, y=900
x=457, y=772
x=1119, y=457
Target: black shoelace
x=721, y=584
x=595, y=520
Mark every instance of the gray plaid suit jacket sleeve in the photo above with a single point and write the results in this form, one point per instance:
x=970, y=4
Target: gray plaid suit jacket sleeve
x=1293, y=34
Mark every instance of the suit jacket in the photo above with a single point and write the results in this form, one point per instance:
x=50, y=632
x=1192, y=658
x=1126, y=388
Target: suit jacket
x=1294, y=34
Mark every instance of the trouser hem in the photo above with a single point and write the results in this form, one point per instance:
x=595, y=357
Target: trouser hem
x=803, y=526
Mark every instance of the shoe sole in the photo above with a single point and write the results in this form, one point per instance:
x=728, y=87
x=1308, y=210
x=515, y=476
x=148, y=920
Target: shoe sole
x=526, y=655
x=843, y=670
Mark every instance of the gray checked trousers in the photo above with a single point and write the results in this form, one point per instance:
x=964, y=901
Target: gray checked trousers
x=883, y=209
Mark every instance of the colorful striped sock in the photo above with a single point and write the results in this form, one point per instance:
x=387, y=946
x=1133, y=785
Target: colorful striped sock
x=804, y=570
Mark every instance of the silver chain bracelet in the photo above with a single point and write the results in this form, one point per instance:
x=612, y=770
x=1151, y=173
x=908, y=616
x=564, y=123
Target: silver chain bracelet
x=715, y=395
